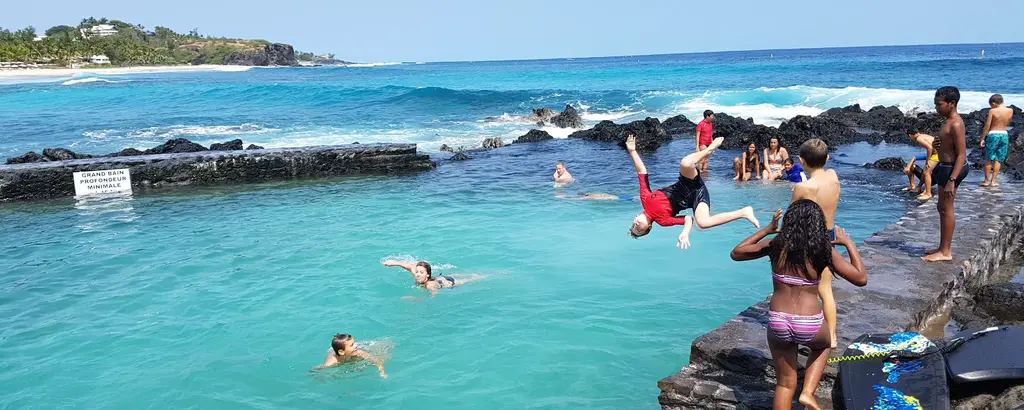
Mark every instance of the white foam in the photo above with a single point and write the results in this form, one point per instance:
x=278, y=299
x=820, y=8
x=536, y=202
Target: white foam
x=560, y=133
x=373, y=64
x=92, y=80
x=611, y=116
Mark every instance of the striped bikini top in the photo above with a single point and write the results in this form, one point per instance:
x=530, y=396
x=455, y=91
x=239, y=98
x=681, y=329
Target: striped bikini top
x=793, y=280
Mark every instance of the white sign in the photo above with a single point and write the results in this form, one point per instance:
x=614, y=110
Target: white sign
x=102, y=182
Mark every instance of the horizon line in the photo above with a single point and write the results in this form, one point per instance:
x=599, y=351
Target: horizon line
x=696, y=52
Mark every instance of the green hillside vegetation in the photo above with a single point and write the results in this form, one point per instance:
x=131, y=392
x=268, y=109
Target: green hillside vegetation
x=132, y=45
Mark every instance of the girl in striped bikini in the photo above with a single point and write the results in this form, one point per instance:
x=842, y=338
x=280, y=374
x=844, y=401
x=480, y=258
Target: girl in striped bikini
x=799, y=254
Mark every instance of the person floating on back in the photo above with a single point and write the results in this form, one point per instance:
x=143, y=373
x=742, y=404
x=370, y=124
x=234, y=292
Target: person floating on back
x=793, y=172
x=822, y=187
x=562, y=175
x=995, y=139
x=423, y=274
x=344, y=350
x=799, y=256
x=705, y=135
x=931, y=159
x=689, y=192
x=951, y=171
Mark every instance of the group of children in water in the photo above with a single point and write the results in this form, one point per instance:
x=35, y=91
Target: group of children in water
x=802, y=253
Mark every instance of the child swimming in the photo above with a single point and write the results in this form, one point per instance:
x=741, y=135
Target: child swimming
x=344, y=350
x=424, y=276
x=799, y=256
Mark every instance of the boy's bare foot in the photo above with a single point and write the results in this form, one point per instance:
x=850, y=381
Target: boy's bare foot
x=716, y=143
x=809, y=402
x=984, y=184
x=748, y=213
x=994, y=184
x=907, y=188
x=937, y=257
x=736, y=178
x=924, y=197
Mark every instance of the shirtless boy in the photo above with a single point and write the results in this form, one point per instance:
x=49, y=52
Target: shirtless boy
x=689, y=192
x=344, y=350
x=822, y=187
x=951, y=171
x=994, y=139
x=562, y=175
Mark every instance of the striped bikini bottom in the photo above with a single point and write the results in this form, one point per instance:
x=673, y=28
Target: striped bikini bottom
x=795, y=328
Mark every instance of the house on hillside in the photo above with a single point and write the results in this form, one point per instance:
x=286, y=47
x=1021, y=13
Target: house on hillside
x=99, y=30
x=100, y=60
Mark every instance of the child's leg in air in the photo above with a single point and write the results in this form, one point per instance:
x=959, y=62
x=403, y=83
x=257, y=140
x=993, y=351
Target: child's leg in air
x=688, y=166
x=828, y=304
x=702, y=216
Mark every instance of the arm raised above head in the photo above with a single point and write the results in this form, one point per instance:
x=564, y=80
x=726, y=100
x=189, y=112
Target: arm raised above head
x=404, y=265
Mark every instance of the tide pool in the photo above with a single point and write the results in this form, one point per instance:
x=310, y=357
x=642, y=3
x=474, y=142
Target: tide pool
x=225, y=297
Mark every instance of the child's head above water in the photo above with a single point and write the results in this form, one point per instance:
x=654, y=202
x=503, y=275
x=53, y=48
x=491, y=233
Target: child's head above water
x=641, y=226
x=422, y=272
x=814, y=153
x=803, y=240
x=560, y=166
x=912, y=132
x=342, y=342
x=787, y=164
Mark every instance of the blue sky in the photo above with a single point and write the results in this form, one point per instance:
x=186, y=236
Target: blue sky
x=449, y=30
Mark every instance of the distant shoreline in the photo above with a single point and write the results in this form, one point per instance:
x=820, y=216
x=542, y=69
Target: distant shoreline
x=65, y=72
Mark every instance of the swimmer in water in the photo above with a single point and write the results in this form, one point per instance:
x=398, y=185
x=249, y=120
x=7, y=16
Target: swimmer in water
x=424, y=276
x=344, y=350
x=562, y=175
x=596, y=196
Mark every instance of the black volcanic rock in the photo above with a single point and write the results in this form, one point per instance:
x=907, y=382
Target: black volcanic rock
x=650, y=134
x=569, y=118
x=888, y=164
x=533, y=136
x=253, y=146
x=62, y=154
x=679, y=125
x=175, y=146
x=28, y=157
x=460, y=156
x=492, y=143
x=127, y=152
x=233, y=145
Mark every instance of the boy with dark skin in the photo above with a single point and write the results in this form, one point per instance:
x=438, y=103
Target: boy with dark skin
x=951, y=171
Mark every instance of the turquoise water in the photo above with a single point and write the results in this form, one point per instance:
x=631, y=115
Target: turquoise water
x=225, y=297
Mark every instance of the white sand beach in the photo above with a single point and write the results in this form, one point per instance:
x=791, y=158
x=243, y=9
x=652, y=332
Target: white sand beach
x=43, y=73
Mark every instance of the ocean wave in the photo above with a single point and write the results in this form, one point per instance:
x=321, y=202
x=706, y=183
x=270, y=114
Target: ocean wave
x=609, y=115
x=373, y=65
x=175, y=131
x=92, y=80
x=772, y=106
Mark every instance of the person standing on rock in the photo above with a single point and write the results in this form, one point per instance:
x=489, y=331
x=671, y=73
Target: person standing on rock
x=800, y=257
x=995, y=139
x=705, y=135
x=951, y=171
x=689, y=192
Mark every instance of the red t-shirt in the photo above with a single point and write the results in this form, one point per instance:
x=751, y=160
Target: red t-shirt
x=657, y=207
x=706, y=132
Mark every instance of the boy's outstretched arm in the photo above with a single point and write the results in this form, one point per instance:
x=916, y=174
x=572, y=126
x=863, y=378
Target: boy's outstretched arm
x=684, y=238
x=637, y=162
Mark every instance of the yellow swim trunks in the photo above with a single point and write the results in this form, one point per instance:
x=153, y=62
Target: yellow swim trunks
x=934, y=157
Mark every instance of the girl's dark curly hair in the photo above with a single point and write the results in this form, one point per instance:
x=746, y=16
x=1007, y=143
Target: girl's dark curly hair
x=802, y=241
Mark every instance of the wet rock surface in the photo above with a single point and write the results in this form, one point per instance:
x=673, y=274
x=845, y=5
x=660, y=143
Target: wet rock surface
x=731, y=367
x=569, y=118
x=680, y=125
x=492, y=143
x=533, y=136
x=233, y=145
x=888, y=164
x=54, y=179
x=650, y=134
